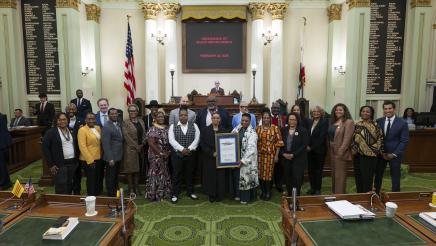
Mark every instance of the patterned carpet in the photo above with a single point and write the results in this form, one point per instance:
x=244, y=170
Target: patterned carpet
x=227, y=223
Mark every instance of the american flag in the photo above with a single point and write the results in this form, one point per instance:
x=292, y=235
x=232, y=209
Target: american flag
x=29, y=187
x=129, y=77
x=302, y=74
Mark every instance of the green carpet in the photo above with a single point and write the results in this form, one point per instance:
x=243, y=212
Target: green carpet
x=226, y=223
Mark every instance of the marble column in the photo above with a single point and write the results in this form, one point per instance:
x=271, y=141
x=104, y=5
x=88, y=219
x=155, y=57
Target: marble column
x=257, y=11
x=70, y=63
x=357, y=54
x=170, y=11
x=417, y=49
x=335, y=56
x=152, y=92
x=277, y=11
x=11, y=78
x=92, y=84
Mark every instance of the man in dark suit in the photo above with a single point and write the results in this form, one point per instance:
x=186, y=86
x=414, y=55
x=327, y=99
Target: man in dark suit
x=112, y=142
x=44, y=112
x=153, y=106
x=82, y=104
x=60, y=154
x=204, y=116
x=217, y=90
x=74, y=124
x=101, y=117
x=396, y=138
x=19, y=119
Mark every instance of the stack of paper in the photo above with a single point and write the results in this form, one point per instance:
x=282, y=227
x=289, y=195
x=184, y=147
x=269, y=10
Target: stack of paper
x=61, y=232
x=429, y=217
x=348, y=211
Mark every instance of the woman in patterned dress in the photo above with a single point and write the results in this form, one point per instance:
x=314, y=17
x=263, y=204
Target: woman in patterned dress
x=158, y=185
x=268, y=144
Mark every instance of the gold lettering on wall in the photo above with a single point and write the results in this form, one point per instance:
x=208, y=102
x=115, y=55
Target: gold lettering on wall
x=8, y=4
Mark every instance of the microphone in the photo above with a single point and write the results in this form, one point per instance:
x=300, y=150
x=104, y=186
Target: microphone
x=122, y=209
x=294, y=216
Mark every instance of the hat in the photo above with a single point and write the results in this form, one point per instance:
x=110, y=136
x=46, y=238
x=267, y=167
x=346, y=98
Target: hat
x=153, y=103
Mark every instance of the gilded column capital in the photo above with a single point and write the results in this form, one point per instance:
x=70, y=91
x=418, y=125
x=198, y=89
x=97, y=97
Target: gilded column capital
x=93, y=12
x=420, y=3
x=277, y=10
x=358, y=4
x=257, y=10
x=8, y=4
x=334, y=12
x=434, y=26
x=75, y=4
x=150, y=10
x=170, y=10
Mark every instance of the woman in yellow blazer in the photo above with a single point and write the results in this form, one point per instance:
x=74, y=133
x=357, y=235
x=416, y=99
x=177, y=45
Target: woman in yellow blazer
x=89, y=138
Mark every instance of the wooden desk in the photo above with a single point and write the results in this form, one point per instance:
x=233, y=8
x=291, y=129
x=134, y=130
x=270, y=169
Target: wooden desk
x=49, y=207
x=314, y=209
x=412, y=203
x=13, y=208
x=220, y=100
x=420, y=154
x=26, y=147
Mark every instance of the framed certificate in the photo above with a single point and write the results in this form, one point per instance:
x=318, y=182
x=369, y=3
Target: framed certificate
x=227, y=149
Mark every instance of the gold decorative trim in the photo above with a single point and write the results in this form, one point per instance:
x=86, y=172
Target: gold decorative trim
x=75, y=4
x=420, y=3
x=257, y=10
x=150, y=10
x=334, y=12
x=277, y=10
x=214, y=12
x=93, y=12
x=434, y=26
x=170, y=10
x=8, y=4
x=358, y=4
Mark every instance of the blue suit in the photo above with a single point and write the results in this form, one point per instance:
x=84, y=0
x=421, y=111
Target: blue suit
x=395, y=142
x=237, y=119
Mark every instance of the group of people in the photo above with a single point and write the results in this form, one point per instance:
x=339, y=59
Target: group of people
x=277, y=149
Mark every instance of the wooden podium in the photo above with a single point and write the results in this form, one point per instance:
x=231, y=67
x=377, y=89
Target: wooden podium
x=25, y=149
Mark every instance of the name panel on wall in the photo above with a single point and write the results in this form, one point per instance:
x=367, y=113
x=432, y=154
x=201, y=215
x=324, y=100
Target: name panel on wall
x=40, y=46
x=386, y=40
x=214, y=47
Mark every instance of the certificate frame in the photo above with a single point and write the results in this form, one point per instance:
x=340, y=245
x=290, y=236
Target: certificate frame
x=234, y=139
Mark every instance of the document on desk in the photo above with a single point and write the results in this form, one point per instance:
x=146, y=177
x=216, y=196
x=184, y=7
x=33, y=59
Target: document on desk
x=348, y=211
x=429, y=217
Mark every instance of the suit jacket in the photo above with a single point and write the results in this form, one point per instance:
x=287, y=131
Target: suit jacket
x=341, y=146
x=398, y=137
x=46, y=117
x=98, y=120
x=174, y=116
x=131, y=142
x=52, y=147
x=300, y=140
x=225, y=119
x=89, y=144
x=5, y=136
x=220, y=91
x=84, y=107
x=318, y=137
x=207, y=141
x=112, y=142
x=22, y=122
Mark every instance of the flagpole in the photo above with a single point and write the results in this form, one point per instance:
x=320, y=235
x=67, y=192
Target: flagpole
x=302, y=53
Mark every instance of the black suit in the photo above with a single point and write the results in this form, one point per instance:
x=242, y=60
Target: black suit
x=54, y=155
x=226, y=121
x=23, y=121
x=294, y=169
x=45, y=117
x=5, y=143
x=84, y=107
x=316, y=155
x=220, y=91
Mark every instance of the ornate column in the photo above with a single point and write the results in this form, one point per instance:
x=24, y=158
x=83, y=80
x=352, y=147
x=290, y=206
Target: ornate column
x=11, y=79
x=335, y=56
x=277, y=11
x=170, y=11
x=151, y=57
x=68, y=29
x=257, y=11
x=91, y=55
x=415, y=62
x=357, y=54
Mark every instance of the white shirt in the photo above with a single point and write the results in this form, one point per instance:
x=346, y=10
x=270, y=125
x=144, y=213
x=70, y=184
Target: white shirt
x=67, y=146
x=386, y=123
x=184, y=128
x=72, y=122
x=208, y=118
x=102, y=118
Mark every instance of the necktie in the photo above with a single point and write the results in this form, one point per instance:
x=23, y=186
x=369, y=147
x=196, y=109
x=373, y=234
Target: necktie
x=78, y=102
x=389, y=127
x=104, y=119
x=16, y=122
x=42, y=107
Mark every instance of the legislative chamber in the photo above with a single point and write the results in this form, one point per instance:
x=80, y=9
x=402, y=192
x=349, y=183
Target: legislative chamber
x=217, y=122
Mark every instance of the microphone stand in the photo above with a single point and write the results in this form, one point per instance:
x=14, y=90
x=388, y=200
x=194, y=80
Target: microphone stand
x=294, y=216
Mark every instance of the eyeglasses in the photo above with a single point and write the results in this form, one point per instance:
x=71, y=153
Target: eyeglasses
x=133, y=111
